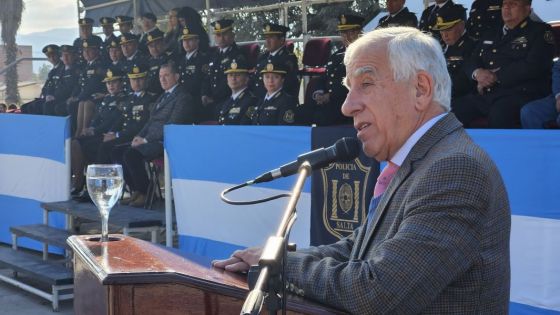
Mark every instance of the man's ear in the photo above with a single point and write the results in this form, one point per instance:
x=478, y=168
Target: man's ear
x=424, y=90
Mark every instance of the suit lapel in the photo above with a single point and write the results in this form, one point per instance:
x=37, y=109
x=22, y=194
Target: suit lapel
x=442, y=128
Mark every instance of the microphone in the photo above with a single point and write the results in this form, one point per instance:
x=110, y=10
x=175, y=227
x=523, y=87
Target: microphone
x=345, y=149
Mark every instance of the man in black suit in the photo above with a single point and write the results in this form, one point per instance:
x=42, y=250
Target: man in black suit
x=67, y=83
x=108, y=30
x=172, y=107
x=484, y=15
x=398, y=15
x=234, y=109
x=276, y=52
x=215, y=89
x=86, y=33
x=458, y=48
x=158, y=56
x=125, y=23
x=430, y=15
x=511, y=66
x=149, y=24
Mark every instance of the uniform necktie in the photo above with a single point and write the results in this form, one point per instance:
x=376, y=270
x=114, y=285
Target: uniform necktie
x=385, y=178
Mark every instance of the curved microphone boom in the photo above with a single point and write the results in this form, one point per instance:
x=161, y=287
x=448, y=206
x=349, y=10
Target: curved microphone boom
x=345, y=149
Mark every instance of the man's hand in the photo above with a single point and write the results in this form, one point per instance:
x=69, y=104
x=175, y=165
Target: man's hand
x=206, y=100
x=109, y=136
x=240, y=260
x=485, y=78
x=138, y=141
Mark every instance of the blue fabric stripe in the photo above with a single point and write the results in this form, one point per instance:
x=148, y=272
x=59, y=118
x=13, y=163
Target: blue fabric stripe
x=206, y=247
x=19, y=211
x=522, y=309
x=234, y=154
x=528, y=162
x=34, y=135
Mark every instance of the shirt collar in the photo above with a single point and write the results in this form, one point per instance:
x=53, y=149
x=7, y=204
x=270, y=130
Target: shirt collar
x=442, y=4
x=190, y=54
x=393, y=15
x=236, y=95
x=276, y=51
x=270, y=96
x=403, y=152
x=133, y=55
x=224, y=50
x=172, y=89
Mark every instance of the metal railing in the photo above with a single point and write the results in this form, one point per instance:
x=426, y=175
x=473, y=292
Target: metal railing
x=13, y=64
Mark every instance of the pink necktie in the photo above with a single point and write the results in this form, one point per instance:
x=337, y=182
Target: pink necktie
x=385, y=178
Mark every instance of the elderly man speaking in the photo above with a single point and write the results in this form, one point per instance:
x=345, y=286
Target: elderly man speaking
x=437, y=236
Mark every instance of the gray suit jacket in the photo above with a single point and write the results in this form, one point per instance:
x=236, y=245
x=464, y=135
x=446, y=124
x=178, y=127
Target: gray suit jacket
x=438, y=244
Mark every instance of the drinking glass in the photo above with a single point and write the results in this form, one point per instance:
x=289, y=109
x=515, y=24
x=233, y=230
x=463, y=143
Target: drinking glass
x=104, y=185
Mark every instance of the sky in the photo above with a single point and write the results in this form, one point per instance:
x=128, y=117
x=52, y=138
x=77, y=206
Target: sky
x=42, y=15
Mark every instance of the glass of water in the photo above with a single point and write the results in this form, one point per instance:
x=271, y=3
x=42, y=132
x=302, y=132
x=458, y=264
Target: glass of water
x=104, y=185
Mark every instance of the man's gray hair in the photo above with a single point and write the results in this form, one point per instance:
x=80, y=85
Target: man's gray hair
x=408, y=51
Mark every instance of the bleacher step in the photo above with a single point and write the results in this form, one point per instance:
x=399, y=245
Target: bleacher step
x=43, y=233
x=44, y=271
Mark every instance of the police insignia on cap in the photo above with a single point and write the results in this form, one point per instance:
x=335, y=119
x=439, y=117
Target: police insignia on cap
x=267, y=28
x=342, y=19
x=218, y=26
x=135, y=70
x=109, y=74
x=233, y=65
x=85, y=44
x=185, y=31
x=119, y=20
x=150, y=38
x=113, y=43
x=269, y=67
x=49, y=49
x=105, y=21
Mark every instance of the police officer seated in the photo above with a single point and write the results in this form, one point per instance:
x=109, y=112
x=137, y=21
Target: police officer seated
x=149, y=24
x=125, y=23
x=158, y=56
x=116, y=57
x=84, y=148
x=193, y=67
x=234, y=110
x=399, y=15
x=458, y=48
x=107, y=24
x=277, y=52
x=69, y=80
x=511, y=66
x=47, y=92
x=429, y=17
x=86, y=33
x=277, y=107
x=215, y=89
x=135, y=113
x=129, y=45
x=483, y=16
x=331, y=94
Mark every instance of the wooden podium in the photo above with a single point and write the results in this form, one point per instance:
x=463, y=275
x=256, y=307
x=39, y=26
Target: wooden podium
x=131, y=276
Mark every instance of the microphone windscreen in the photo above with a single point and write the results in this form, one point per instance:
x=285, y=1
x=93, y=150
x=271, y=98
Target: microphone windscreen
x=347, y=149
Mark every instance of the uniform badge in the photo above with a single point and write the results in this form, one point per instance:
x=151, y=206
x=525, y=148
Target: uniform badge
x=135, y=70
x=109, y=74
x=105, y=21
x=119, y=20
x=49, y=50
x=289, y=116
x=549, y=37
x=342, y=19
x=234, y=65
x=217, y=26
x=267, y=28
x=269, y=67
x=113, y=43
x=150, y=38
x=185, y=31
x=85, y=45
x=234, y=111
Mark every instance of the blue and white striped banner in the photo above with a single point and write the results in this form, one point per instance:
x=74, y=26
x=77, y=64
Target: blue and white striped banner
x=205, y=160
x=529, y=163
x=33, y=169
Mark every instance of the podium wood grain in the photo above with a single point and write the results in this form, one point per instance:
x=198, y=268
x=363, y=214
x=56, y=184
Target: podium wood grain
x=135, y=277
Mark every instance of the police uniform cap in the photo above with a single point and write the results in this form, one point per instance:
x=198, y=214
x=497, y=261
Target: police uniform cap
x=127, y=37
x=348, y=22
x=275, y=29
x=138, y=71
x=90, y=42
x=450, y=17
x=85, y=21
x=187, y=33
x=106, y=20
x=150, y=16
x=50, y=49
x=274, y=67
x=112, y=74
x=67, y=49
x=115, y=43
x=222, y=26
x=123, y=19
x=237, y=66
x=154, y=35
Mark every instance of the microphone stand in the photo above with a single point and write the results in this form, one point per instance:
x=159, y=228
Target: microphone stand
x=270, y=284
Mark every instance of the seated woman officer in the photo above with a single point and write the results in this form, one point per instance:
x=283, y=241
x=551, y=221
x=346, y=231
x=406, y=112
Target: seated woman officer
x=84, y=148
x=277, y=107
